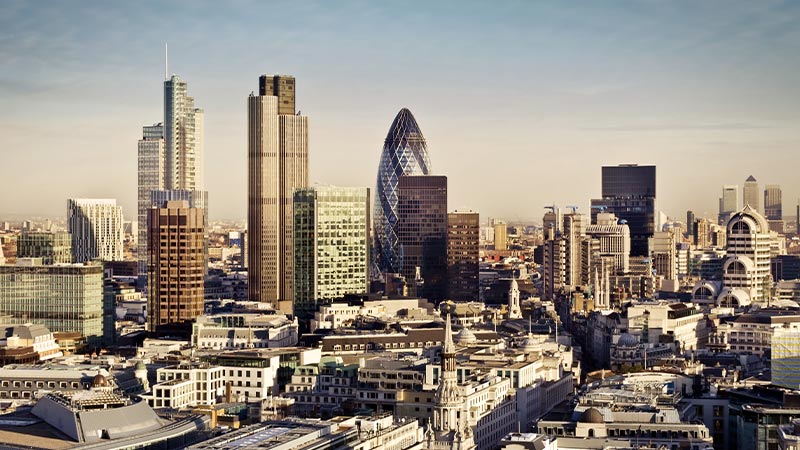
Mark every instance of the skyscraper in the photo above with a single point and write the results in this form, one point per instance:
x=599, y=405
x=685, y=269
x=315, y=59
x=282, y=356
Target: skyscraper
x=151, y=173
x=463, y=252
x=728, y=203
x=422, y=231
x=690, y=220
x=277, y=166
x=773, y=202
x=176, y=265
x=404, y=153
x=629, y=192
x=751, y=194
x=183, y=138
x=500, y=236
x=331, y=246
x=747, y=263
x=96, y=226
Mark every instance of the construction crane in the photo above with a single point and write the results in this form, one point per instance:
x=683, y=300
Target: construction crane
x=600, y=208
x=573, y=208
x=552, y=207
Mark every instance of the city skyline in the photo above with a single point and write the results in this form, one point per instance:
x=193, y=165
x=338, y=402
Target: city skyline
x=699, y=94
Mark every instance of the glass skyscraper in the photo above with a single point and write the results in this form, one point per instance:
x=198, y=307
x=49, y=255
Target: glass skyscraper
x=331, y=246
x=404, y=153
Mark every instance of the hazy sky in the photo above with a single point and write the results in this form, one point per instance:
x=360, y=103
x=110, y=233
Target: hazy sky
x=520, y=102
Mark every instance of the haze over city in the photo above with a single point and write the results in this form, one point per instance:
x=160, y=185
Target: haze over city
x=512, y=97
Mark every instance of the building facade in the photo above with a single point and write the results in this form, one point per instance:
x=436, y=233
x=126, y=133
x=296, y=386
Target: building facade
x=53, y=247
x=422, y=231
x=64, y=298
x=629, y=192
x=747, y=263
x=277, y=166
x=404, y=153
x=151, y=173
x=728, y=203
x=751, y=195
x=463, y=252
x=176, y=265
x=96, y=227
x=331, y=246
x=183, y=137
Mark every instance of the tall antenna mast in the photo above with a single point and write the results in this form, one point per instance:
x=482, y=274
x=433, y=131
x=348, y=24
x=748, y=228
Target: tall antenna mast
x=166, y=62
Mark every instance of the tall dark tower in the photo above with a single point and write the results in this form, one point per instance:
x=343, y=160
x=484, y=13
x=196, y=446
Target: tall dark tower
x=422, y=232
x=629, y=191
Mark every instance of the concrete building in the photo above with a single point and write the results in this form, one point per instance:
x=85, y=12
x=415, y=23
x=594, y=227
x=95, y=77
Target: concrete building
x=665, y=255
x=277, y=166
x=228, y=331
x=176, y=266
x=614, y=240
x=422, y=232
x=574, y=231
x=27, y=344
x=463, y=249
x=96, y=227
x=785, y=357
x=747, y=263
x=500, y=236
x=53, y=247
x=63, y=298
x=331, y=246
x=773, y=202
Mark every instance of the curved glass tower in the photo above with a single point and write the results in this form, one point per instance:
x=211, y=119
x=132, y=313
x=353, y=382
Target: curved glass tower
x=404, y=153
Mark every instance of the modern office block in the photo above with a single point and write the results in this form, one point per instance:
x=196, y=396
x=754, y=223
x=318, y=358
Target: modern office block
x=422, y=231
x=500, y=236
x=404, y=153
x=747, y=262
x=690, y=220
x=463, y=253
x=629, y=192
x=64, y=298
x=277, y=166
x=96, y=226
x=773, y=202
x=151, y=173
x=183, y=138
x=282, y=87
x=331, y=246
x=176, y=266
x=52, y=247
x=613, y=241
x=751, y=195
x=728, y=203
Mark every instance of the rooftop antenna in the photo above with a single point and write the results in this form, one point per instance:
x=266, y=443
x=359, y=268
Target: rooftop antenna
x=166, y=62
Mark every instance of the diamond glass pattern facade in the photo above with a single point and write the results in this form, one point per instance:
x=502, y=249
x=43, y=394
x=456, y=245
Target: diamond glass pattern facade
x=404, y=153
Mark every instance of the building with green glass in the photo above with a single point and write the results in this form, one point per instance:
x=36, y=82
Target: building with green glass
x=64, y=298
x=331, y=246
x=52, y=247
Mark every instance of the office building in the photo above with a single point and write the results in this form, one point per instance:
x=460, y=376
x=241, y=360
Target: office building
x=331, y=246
x=422, y=232
x=463, y=252
x=175, y=267
x=629, y=192
x=151, y=176
x=63, y=298
x=277, y=166
x=500, y=236
x=404, y=153
x=690, y=221
x=183, y=137
x=773, y=202
x=53, y=247
x=747, y=264
x=96, y=226
x=613, y=241
x=574, y=231
x=751, y=195
x=665, y=254
x=728, y=203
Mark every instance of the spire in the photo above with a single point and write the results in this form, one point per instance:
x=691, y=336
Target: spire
x=449, y=347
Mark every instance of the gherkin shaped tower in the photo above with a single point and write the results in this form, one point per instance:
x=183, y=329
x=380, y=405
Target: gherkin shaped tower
x=404, y=153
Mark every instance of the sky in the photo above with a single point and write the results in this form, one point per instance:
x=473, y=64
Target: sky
x=521, y=103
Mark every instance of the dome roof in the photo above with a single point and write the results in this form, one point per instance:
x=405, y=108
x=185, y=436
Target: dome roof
x=592, y=415
x=627, y=340
x=531, y=344
x=99, y=381
x=140, y=366
x=465, y=336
